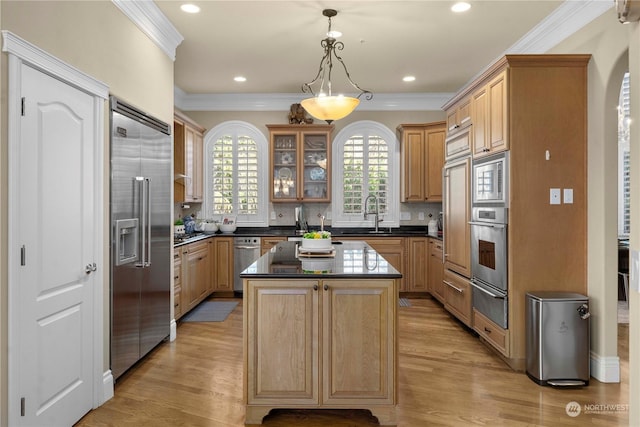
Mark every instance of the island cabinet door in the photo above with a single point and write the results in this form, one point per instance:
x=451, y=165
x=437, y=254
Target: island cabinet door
x=282, y=342
x=358, y=345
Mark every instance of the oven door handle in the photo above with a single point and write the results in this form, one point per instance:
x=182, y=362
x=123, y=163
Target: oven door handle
x=491, y=294
x=488, y=224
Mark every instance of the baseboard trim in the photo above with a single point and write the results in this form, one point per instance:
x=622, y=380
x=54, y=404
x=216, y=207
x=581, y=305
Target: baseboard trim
x=605, y=369
x=173, y=330
x=107, y=386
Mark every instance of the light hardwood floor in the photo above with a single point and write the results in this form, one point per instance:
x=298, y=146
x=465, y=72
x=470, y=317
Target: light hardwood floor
x=446, y=378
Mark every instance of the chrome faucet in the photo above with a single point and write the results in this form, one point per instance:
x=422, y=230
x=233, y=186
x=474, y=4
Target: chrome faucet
x=376, y=213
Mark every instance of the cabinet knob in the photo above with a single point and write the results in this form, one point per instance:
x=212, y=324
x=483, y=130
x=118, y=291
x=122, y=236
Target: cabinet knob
x=486, y=150
x=326, y=287
x=315, y=287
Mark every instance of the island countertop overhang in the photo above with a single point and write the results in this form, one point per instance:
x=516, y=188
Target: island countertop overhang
x=349, y=260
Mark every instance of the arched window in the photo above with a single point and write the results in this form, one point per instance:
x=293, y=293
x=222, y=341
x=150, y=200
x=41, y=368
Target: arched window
x=235, y=170
x=366, y=162
x=624, y=181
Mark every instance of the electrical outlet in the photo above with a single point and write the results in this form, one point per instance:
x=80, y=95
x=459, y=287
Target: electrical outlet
x=273, y=214
x=554, y=196
x=405, y=216
x=421, y=216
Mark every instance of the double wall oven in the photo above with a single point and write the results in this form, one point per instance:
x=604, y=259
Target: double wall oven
x=489, y=215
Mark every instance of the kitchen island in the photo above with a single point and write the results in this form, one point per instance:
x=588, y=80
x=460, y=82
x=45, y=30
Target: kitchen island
x=320, y=331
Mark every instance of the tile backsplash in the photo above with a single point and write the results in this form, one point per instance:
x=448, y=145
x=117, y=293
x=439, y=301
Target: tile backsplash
x=282, y=214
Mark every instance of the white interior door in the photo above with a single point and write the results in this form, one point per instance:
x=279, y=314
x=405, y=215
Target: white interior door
x=51, y=344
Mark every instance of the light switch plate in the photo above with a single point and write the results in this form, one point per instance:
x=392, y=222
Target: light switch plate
x=405, y=216
x=554, y=196
x=567, y=196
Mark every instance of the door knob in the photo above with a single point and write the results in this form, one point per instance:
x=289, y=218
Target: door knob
x=90, y=268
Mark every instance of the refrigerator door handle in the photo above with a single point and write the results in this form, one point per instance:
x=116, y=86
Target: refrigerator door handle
x=147, y=184
x=142, y=200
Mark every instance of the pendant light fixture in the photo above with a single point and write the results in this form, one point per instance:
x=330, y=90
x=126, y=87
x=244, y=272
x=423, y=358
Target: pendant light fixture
x=324, y=105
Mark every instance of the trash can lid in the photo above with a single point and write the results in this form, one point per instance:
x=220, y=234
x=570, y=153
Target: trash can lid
x=556, y=295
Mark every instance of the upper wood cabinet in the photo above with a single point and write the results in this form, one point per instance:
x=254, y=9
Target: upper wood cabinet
x=489, y=111
x=188, y=159
x=422, y=147
x=300, y=163
x=459, y=116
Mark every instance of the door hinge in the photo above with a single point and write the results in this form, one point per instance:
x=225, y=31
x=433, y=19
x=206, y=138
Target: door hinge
x=23, y=255
x=23, y=107
x=22, y=406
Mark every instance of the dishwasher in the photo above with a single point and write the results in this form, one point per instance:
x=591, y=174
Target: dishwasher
x=245, y=251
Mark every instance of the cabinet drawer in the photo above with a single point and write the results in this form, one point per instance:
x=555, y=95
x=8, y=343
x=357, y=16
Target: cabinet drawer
x=491, y=332
x=458, y=297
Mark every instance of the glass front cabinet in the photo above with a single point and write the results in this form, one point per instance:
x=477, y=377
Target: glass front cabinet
x=300, y=163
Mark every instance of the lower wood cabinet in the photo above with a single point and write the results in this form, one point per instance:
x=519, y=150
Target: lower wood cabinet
x=417, y=268
x=458, y=297
x=494, y=334
x=436, y=270
x=320, y=344
x=269, y=242
x=392, y=249
x=198, y=274
x=222, y=268
x=177, y=283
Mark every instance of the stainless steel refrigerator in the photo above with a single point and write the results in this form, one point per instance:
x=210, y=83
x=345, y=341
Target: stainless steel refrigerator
x=141, y=180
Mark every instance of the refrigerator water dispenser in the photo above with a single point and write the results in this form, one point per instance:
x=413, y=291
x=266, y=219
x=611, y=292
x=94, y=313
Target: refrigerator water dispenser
x=126, y=241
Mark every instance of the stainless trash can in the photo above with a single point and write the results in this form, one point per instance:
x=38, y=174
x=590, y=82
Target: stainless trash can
x=557, y=346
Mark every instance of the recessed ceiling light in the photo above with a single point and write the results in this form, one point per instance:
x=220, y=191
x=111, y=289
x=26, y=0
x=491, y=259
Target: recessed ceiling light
x=408, y=78
x=190, y=8
x=240, y=79
x=461, y=6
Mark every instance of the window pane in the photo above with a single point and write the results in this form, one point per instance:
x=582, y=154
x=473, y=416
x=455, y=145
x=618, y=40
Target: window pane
x=365, y=171
x=235, y=176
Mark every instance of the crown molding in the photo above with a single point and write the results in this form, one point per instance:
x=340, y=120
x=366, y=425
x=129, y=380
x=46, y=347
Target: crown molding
x=151, y=21
x=283, y=101
x=565, y=20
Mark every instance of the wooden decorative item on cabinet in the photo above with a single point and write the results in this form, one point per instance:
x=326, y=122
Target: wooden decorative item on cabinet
x=300, y=163
x=533, y=105
x=422, y=147
x=177, y=283
x=298, y=355
x=417, y=268
x=188, y=159
x=458, y=297
x=223, y=268
x=269, y=242
x=436, y=269
x=457, y=214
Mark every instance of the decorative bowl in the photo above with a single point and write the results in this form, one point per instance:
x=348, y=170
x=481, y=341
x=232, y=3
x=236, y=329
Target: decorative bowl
x=316, y=240
x=317, y=266
x=228, y=228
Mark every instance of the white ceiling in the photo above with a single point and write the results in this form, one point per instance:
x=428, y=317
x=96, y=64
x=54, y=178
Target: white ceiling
x=276, y=44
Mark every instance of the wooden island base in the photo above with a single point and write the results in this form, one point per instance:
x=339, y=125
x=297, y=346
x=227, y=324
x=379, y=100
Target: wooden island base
x=321, y=336
x=386, y=415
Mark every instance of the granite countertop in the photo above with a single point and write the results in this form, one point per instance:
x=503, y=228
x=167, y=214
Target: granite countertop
x=350, y=260
x=337, y=233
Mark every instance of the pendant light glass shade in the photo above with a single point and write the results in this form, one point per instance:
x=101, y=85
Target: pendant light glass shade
x=324, y=105
x=330, y=108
